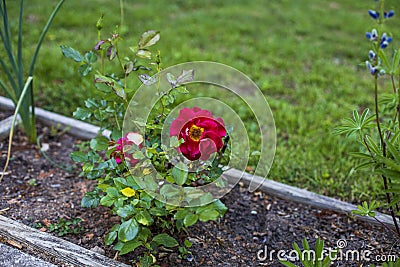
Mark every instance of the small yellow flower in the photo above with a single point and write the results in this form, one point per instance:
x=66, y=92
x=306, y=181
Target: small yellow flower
x=146, y=171
x=128, y=192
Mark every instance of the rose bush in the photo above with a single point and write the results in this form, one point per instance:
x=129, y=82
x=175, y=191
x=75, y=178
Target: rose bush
x=135, y=177
x=202, y=134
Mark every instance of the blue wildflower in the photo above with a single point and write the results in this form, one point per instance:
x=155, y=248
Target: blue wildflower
x=372, y=69
x=371, y=55
x=389, y=14
x=385, y=40
x=373, y=14
x=373, y=35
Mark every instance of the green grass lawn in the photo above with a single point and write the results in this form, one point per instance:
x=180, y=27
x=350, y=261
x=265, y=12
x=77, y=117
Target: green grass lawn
x=304, y=55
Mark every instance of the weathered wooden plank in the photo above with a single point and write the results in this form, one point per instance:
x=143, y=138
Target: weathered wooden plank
x=303, y=196
x=5, y=126
x=77, y=128
x=53, y=246
x=12, y=257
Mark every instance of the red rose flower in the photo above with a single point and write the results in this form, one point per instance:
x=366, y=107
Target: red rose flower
x=201, y=132
x=124, y=144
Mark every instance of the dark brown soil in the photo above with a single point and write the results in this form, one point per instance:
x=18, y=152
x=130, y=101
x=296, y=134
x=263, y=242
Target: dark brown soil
x=254, y=223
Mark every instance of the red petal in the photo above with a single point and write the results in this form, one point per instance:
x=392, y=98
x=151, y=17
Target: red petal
x=207, y=147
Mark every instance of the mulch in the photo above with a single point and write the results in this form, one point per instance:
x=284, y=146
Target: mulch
x=252, y=232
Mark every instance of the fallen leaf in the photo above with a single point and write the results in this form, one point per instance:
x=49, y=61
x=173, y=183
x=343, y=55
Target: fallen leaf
x=46, y=222
x=90, y=236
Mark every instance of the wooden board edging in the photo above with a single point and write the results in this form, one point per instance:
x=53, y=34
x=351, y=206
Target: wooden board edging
x=75, y=127
x=53, y=246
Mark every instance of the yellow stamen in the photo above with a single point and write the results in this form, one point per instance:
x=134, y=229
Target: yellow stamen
x=195, y=133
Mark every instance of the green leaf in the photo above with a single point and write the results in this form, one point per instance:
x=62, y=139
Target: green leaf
x=165, y=240
x=159, y=212
x=90, y=57
x=128, y=230
x=144, y=54
x=209, y=215
x=82, y=114
x=138, y=155
x=144, y=217
x=126, y=211
x=91, y=103
x=90, y=200
x=181, y=214
x=71, y=53
x=187, y=243
x=384, y=60
x=85, y=69
x=144, y=234
x=79, y=156
x=112, y=235
x=286, y=263
x=114, y=84
x=99, y=143
x=190, y=219
x=180, y=173
x=175, y=142
x=113, y=192
x=102, y=87
x=130, y=246
x=147, y=261
x=170, y=191
x=220, y=206
x=149, y=38
x=107, y=201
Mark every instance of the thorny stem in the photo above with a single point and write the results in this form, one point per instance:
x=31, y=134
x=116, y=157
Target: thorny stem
x=159, y=81
x=116, y=118
x=117, y=54
x=101, y=52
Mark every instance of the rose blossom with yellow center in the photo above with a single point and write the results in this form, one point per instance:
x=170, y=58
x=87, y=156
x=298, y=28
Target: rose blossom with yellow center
x=195, y=133
x=202, y=133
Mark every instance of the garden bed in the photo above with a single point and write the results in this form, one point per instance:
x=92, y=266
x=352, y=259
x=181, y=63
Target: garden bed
x=39, y=194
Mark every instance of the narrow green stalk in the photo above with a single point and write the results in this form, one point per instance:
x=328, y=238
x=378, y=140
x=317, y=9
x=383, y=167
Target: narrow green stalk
x=378, y=124
x=42, y=35
x=398, y=107
x=8, y=91
x=383, y=145
x=121, y=5
x=6, y=39
x=18, y=106
x=19, y=51
x=11, y=93
x=31, y=131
